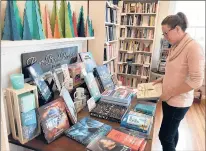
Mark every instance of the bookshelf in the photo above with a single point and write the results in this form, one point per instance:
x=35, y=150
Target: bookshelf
x=105, y=46
x=136, y=43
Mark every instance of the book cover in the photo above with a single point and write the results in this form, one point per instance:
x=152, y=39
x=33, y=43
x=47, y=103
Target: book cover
x=137, y=121
x=27, y=102
x=86, y=130
x=120, y=95
x=131, y=141
x=29, y=131
x=92, y=86
x=75, y=71
x=53, y=119
x=145, y=108
x=35, y=70
x=106, y=144
x=88, y=60
x=104, y=77
x=28, y=118
x=109, y=111
x=70, y=108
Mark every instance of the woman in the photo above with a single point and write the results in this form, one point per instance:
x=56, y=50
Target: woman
x=184, y=72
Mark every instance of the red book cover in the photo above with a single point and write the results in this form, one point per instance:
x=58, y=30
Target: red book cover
x=131, y=141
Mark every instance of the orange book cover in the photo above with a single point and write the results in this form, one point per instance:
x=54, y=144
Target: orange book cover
x=131, y=141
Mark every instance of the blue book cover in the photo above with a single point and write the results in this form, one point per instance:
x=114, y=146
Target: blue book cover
x=88, y=60
x=104, y=77
x=120, y=95
x=28, y=118
x=145, y=108
x=87, y=129
x=92, y=86
x=29, y=131
x=137, y=121
x=35, y=70
x=27, y=102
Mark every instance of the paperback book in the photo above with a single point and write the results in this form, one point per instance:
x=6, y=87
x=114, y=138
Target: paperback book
x=121, y=96
x=53, y=119
x=106, y=144
x=104, y=77
x=88, y=60
x=128, y=140
x=86, y=130
x=137, y=121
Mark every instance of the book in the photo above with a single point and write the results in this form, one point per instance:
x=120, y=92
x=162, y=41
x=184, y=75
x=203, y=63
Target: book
x=53, y=119
x=145, y=108
x=148, y=91
x=104, y=77
x=86, y=130
x=109, y=111
x=137, y=121
x=104, y=143
x=28, y=118
x=27, y=102
x=70, y=108
x=119, y=95
x=128, y=140
x=29, y=131
x=92, y=86
x=75, y=71
x=88, y=60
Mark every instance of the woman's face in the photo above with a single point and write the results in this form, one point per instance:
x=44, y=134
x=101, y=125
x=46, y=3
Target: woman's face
x=170, y=34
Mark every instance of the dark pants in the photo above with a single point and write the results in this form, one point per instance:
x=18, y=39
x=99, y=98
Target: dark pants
x=168, y=133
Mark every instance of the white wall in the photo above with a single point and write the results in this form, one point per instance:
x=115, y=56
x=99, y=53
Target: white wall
x=165, y=8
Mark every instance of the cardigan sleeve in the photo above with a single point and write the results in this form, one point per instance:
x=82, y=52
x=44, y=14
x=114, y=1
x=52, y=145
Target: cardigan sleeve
x=196, y=66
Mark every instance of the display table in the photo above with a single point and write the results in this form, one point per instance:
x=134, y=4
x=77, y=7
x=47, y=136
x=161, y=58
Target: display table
x=64, y=143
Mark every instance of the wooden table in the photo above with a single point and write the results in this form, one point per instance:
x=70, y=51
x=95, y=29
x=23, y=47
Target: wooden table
x=66, y=144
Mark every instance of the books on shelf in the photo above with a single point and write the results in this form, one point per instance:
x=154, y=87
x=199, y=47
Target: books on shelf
x=139, y=7
x=145, y=33
x=109, y=52
x=138, y=20
x=86, y=130
x=110, y=33
x=110, y=15
x=111, y=67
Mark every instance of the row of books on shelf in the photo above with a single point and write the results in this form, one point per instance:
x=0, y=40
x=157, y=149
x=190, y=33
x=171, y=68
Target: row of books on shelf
x=137, y=58
x=109, y=52
x=138, y=20
x=110, y=15
x=139, y=7
x=111, y=67
x=135, y=46
x=134, y=70
x=110, y=33
x=137, y=33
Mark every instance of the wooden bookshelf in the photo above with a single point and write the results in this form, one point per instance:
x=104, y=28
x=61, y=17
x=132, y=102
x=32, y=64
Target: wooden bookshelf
x=137, y=35
x=106, y=26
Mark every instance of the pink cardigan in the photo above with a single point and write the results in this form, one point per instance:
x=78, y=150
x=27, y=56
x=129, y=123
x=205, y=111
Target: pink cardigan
x=185, y=63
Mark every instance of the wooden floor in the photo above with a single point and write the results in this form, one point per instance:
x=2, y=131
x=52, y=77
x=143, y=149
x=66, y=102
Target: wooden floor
x=191, y=130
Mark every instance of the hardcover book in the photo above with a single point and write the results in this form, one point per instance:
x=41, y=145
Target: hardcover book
x=119, y=95
x=92, y=86
x=104, y=143
x=53, y=119
x=137, y=121
x=109, y=111
x=88, y=60
x=86, y=130
x=29, y=131
x=148, y=91
x=131, y=141
x=35, y=70
x=104, y=77
x=71, y=110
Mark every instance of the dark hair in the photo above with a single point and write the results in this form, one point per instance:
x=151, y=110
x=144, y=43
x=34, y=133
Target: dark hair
x=176, y=20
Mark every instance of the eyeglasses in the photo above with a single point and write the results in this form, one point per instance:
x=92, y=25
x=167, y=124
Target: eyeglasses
x=166, y=33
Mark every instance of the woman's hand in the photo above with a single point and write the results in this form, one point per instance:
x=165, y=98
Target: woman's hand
x=165, y=97
x=160, y=80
